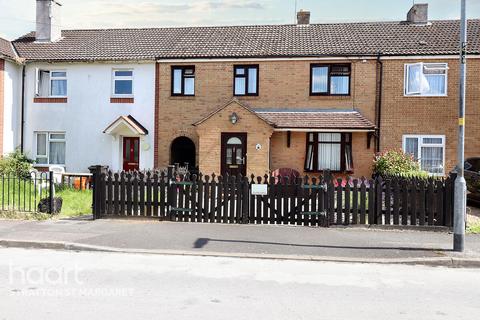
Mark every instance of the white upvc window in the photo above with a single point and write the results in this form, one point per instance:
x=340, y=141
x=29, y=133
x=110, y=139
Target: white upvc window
x=428, y=150
x=122, y=83
x=51, y=83
x=426, y=79
x=50, y=148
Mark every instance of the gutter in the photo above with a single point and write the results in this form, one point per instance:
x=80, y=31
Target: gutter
x=378, y=103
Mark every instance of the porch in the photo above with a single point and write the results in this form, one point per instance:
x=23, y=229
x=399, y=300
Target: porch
x=239, y=139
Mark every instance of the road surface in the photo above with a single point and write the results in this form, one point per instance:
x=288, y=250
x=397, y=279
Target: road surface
x=45, y=284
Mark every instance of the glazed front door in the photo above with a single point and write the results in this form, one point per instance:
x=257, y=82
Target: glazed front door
x=234, y=153
x=131, y=153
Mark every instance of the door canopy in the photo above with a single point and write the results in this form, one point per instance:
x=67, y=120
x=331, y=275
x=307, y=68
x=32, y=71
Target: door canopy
x=126, y=125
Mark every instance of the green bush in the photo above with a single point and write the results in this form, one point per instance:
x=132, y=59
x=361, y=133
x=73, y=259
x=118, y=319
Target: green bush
x=397, y=163
x=16, y=163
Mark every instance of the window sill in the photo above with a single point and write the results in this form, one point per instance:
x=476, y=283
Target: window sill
x=180, y=97
x=425, y=96
x=247, y=97
x=329, y=97
x=122, y=100
x=331, y=171
x=49, y=100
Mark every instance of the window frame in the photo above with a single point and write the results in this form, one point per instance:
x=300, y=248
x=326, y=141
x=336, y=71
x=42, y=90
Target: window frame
x=247, y=80
x=183, y=76
x=329, y=76
x=47, y=147
x=420, y=138
x=343, y=143
x=115, y=77
x=49, y=90
x=406, y=78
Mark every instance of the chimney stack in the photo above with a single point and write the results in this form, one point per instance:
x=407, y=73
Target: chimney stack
x=303, y=17
x=418, y=13
x=48, y=21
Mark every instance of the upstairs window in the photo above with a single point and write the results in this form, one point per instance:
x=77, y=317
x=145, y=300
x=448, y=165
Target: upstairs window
x=245, y=80
x=429, y=151
x=183, y=81
x=329, y=151
x=50, y=148
x=426, y=79
x=51, y=83
x=122, y=83
x=330, y=79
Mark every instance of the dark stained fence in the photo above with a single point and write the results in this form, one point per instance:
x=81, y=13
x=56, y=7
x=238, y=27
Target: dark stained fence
x=317, y=201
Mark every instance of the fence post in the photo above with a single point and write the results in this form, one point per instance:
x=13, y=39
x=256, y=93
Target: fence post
x=97, y=190
x=170, y=173
x=51, y=191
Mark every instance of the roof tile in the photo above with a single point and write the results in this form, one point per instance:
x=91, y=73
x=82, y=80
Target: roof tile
x=342, y=39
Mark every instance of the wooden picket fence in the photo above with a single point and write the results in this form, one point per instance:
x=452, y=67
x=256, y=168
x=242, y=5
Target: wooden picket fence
x=318, y=201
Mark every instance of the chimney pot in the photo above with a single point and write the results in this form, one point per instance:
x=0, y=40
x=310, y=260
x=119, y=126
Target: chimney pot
x=303, y=17
x=418, y=13
x=48, y=21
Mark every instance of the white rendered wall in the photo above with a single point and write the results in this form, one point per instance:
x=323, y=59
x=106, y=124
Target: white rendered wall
x=89, y=111
x=12, y=106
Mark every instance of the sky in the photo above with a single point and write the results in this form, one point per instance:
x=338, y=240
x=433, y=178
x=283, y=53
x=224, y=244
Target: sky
x=17, y=17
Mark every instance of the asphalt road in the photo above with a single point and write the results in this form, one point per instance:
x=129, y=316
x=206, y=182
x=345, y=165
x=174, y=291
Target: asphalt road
x=45, y=284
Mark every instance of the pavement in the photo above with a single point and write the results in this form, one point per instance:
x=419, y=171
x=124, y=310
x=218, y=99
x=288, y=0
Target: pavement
x=53, y=284
x=353, y=244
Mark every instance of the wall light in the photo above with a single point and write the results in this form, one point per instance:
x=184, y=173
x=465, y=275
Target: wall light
x=233, y=118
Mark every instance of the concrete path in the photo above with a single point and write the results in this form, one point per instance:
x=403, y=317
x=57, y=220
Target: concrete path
x=46, y=284
x=338, y=244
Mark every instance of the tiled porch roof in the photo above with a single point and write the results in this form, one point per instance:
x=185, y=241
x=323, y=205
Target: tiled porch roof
x=130, y=122
x=316, y=119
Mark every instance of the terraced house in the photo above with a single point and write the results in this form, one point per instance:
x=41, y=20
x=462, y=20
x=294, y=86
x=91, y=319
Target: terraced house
x=245, y=99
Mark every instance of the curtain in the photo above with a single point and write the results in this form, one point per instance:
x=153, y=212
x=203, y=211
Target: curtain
x=411, y=147
x=42, y=148
x=57, y=152
x=309, y=162
x=189, y=85
x=59, y=88
x=436, y=84
x=239, y=86
x=339, y=84
x=319, y=79
x=252, y=80
x=43, y=83
x=417, y=82
x=348, y=158
x=177, y=81
x=432, y=159
x=329, y=156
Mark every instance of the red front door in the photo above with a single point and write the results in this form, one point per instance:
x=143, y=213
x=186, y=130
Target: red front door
x=131, y=153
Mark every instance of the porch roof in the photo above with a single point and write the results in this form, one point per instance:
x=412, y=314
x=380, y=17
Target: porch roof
x=316, y=120
x=126, y=121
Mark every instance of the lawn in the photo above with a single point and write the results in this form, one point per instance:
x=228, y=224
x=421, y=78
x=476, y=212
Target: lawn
x=18, y=198
x=75, y=202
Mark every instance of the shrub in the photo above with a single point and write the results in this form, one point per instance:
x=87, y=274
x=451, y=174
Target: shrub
x=16, y=163
x=396, y=163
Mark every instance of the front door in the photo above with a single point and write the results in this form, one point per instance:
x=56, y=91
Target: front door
x=131, y=153
x=234, y=153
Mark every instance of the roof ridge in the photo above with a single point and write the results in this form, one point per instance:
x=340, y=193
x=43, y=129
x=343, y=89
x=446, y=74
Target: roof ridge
x=256, y=25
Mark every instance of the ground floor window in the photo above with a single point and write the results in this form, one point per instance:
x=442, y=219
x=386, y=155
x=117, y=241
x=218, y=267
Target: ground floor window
x=429, y=150
x=329, y=151
x=50, y=148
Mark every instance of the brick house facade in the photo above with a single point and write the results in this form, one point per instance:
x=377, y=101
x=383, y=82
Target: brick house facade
x=214, y=88
x=254, y=99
